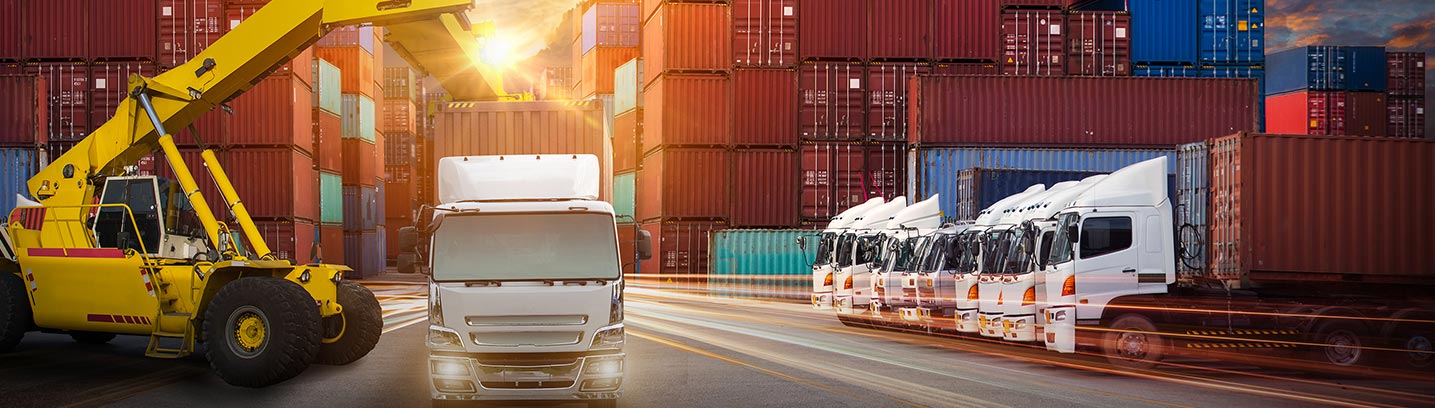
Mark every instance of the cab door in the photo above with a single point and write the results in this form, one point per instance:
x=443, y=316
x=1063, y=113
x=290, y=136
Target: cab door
x=1108, y=260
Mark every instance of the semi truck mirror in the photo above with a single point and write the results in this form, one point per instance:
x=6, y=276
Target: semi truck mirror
x=644, y=246
x=408, y=239
x=1073, y=234
x=802, y=243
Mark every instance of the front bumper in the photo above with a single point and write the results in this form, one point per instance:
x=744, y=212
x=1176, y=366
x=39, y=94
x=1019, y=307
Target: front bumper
x=822, y=301
x=1060, y=329
x=991, y=324
x=967, y=321
x=1019, y=328
x=460, y=378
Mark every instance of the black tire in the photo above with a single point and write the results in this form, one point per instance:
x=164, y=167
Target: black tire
x=1132, y=342
x=288, y=333
x=408, y=263
x=92, y=338
x=1345, y=343
x=360, y=324
x=15, y=317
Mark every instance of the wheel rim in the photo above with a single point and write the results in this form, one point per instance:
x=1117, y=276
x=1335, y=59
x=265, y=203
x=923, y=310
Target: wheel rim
x=1342, y=348
x=341, y=323
x=249, y=331
x=1132, y=345
x=1420, y=349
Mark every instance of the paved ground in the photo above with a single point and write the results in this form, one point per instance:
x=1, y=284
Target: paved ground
x=696, y=351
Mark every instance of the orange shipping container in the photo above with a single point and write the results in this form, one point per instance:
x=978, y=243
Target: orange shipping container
x=598, y=67
x=277, y=112
x=356, y=68
x=274, y=183
x=360, y=163
x=686, y=37
x=400, y=116
x=328, y=149
x=687, y=110
x=627, y=140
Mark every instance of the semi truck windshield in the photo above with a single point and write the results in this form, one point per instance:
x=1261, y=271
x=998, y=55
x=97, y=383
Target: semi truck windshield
x=525, y=247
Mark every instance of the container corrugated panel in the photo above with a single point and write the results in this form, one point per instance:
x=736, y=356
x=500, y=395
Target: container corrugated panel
x=761, y=264
x=833, y=101
x=687, y=37
x=19, y=165
x=1233, y=31
x=832, y=177
x=1265, y=228
x=764, y=107
x=832, y=29
x=109, y=18
x=363, y=252
x=1366, y=114
x=12, y=33
x=1405, y=73
x=627, y=140
x=328, y=86
x=358, y=115
x=328, y=141
x=1100, y=43
x=598, y=66
x=1192, y=198
x=764, y=33
x=1316, y=68
x=1366, y=69
x=110, y=86
x=1167, y=71
x=361, y=165
x=68, y=87
x=398, y=202
x=687, y=110
x=330, y=249
x=1165, y=31
x=627, y=239
x=684, y=183
x=764, y=188
x=381, y=207
x=611, y=24
x=627, y=95
x=356, y=67
x=400, y=116
x=288, y=240
x=887, y=85
x=403, y=83
x=541, y=127
x=360, y=208
x=966, y=30
x=24, y=110
x=966, y=68
x=1079, y=111
x=885, y=167
x=57, y=29
x=934, y=171
x=624, y=189
x=979, y=188
x=349, y=36
x=187, y=27
x=331, y=198
x=1034, y=42
x=277, y=112
x=899, y=29
x=1307, y=113
x=1407, y=117
x=680, y=251
x=274, y=183
x=398, y=149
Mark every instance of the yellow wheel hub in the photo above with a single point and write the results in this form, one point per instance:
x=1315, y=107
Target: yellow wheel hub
x=250, y=332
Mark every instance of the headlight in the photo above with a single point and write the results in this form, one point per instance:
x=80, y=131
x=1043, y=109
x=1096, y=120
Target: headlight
x=609, y=338
x=450, y=368
x=443, y=338
x=606, y=366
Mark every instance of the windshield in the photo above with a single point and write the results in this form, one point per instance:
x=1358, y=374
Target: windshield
x=1061, y=245
x=1021, y=251
x=869, y=248
x=844, y=249
x=906, y=254
x=824, y=248
x=525, y=247
x=995, y=250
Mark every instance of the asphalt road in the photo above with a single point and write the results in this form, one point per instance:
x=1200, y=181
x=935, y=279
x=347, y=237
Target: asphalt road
x=696, y=351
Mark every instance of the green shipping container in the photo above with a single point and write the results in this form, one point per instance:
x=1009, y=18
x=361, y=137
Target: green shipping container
x=327, y=87
x=331, y=199
x=625, y=86
x=358, y=117
x=623, y=196
x=761, y=263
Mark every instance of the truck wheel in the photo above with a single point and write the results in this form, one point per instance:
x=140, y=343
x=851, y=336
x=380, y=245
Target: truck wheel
x=357, y=328
x=408, y=263
x=14, y=311
x=92, y=337
x=261, y=331
x=1132, y=342
x=1344, y=343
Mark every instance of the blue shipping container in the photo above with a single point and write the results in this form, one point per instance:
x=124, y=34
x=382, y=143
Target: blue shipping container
x=328, y=87
x=1164, y=31
x=18, y=166
x=979, y=188
x=762, y=263
x=331, y=199
x=1367, y=69
x=360, y=208
x=1233, y=31
x=1326, y=68
x=1191, y=201
x=380, y=206
x=1166, y=71
x=363, y=253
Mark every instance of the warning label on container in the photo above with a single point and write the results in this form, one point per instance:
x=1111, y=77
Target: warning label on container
x=854, y=83
x=787, y=11
x=1120, y=32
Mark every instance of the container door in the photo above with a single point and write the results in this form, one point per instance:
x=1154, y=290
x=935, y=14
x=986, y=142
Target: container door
x=1109, y=261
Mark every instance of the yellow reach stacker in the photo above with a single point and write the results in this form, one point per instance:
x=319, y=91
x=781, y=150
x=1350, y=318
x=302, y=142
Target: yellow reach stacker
x=107, y=253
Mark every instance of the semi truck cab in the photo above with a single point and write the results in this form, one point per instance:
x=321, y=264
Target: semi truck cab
x=906, y=235
x=824, y=266
x=1004, y=242
x=947, y=258
x=982, y=240
x=855, y=294
x=1031, y=248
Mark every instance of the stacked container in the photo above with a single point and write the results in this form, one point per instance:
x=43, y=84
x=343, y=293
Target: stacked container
x=1199, y=39
x=607, y=37
x=1328, y=90
x=23, y=112
x=361, y=168
x=1406, y=103
x=401, y=129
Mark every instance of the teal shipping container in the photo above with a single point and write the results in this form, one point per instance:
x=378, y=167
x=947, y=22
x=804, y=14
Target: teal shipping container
x=624, y=187
x=331, y=199
x=626, y=92
x=358, y=115
x=328, y=84
x=761, y=263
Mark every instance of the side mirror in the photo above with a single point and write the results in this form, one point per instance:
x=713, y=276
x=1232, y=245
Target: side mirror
x=1074, y=233
x=644, y=246
x=802, y=243
x=408, y=239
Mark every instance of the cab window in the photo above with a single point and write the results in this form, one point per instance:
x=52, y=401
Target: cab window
x=1104, y=235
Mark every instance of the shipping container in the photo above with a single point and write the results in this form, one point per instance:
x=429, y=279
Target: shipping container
x=327, y=86
x=288, y=240
x=1327, y=68
x=625, y=196
x=598, y=67
x=887, y=85
x=687, y=110
x=885, y=167
x=832, y=178
x=330, y=247
x=608, y=114
x=361, y=208
x=1233, y=31
x=1366, y=69
x=978, y=188
x=683, y=183
x=966, y=30
x=542, y=127
x=687, y=38
x=1327, y=113
x=68, y=88
x=404, y=83
x=24, y=111
x=356, y=67
x=58, y=29
x=899, y=30
x=328, y=145
x=360, y=121
x=556, y=84
x=966, y=68
x=364, y=253
x=276, y=112
x=627, y=93
x=764, y=107
x=1078, y=111
x=122, y=30
x=331, y=198
x=1034, y=42
x=349, y=36
x=187, y=27
x=1366, y=114
x=1040, y=4
x=764, y=33
x=764, y=188
x=1264, y=228
x=1100, y=43
x=1167, y=71
x=12, y=33
x=627, y=140
x=1407, y=117
x=832, y=29
x=627, y=240
x=1165, y=32
x=400, y=116
x=381, y=202
x=611, y=24
x=833, y=101
x=680, y=251
x=274, y=183
x=1191, y=206
x=768, y=264
x=19, y=165
x=109, y=85
x=360, y=164
x=399, y=203
x=1405, y=73
x=391, y=239
x=398, y=149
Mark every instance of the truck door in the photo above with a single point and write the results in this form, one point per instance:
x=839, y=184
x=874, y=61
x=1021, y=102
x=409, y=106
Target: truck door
x=1107, y=260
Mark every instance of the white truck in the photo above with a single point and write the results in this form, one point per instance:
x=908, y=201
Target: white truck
x=832, y=238
x=854, y=295
x=906, y=240
x=1030, y=248
x=525, y=288
x=1003, y=240
x=978, y=240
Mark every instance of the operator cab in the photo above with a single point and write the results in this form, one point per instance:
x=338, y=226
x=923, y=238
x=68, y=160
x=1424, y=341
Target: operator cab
x=164, y=223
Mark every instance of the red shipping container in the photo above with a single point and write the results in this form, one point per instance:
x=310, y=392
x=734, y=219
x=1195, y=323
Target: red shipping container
x=1406, y=72
x=187, y=27
x=833, y=101
x=764, y=188
x=764, y=33
x=1318, y=209
x=1033, y=42
x=1307, y=113
x=687, y=37
x=1078, y=111
x=598, y=67
x=110, y=86
x=399, y=202
x=162, y=167
x=24, y=110
x=328, y=135
x=1407, y=117
x=680, y=251
x=627, y=234
x=887, y=99
x=627, y=140
x=68, y=87
x=12, y=35
x=356, y=68
x=764, y=107
x=886, y=170
x=276, y=112
x=57, y=29
x=683, y=183
x=899, y=29
x=967, y=68
x=274, y=182
x=123, y=29
x=380, y=146
x=1040, y=3
x=687, y=110
x=966, y=30
x=210, y=130
x=832, y=29
x=330, y=249
x=289, y=240
x=360, y=163
x=399, y=116
x=391, y=239
x=832, y=178
x=1100, y=43
x=1366, y=114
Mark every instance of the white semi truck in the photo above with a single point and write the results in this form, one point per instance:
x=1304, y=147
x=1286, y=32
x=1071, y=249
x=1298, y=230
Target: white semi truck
x=832, y=238
x=854, y=295
x=906, y=236
x=1002, y=244
x=1030, y=248
x=979, y=247
x=525, y=288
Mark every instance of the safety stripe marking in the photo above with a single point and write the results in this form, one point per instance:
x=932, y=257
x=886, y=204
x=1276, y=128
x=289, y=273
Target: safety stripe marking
x=45, y=251
x=104, y=318
x=76, y=252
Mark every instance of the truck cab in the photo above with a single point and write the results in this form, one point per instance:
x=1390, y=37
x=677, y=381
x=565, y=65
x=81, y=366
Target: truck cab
x=824, y=266
x=865, y=238
x=1003, y=243
x=945, y=258
x=1030, y=249
x=907, y=235
x=525, y=285
x=978, y=240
